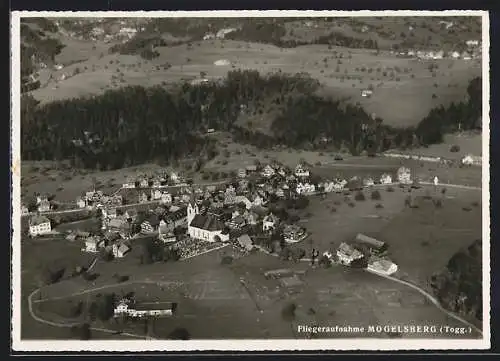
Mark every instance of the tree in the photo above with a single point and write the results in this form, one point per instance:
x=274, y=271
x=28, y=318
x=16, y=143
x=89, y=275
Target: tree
x=376, y=195
x=82, y=332
x=105, y=307
x=288, y=312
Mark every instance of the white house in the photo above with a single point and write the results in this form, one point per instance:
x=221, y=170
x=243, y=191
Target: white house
x=155, y=194
x=268, y=171
x=470, y=159
x=129, y=184
x=143, y=183
x=305, y=188
x=126, y=308
x=80, y=202
x=471, y=43
x=455, y=55
x=120, y=250
x=269, y=222
x=347, y=254
x=293, y=233
x=404, y=175
x=166, y=198
x=366, y=93
x=382, y=266
x=44, y=205
x=39, y=225
x=301, y=171
x=92, y=244
x=242, y=173
x=245, y=200
x=24, y=210
x=386, y=178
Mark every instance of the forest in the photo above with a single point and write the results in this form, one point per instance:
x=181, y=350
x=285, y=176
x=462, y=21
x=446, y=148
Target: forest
x=134, y=125
x=459, y=286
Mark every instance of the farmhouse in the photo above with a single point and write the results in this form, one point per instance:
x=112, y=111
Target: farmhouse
x=251, y=168
x=177, y=217
x=404, y=175
x=305, y=188
x=44, y=205
x=157, y=309
x=347, y=254
x=155, y=194
x=150, y=225
x=39, y=225
x=242, y=173
x=129, y=184
x=374, y=245
x=368, y=182
x=165, y=198
x=24, y=210
x=382, y=266
x=109, y=212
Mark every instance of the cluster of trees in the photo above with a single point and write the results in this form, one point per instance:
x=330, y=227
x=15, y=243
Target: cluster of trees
x=459, y=286
x=140, y=45
x=134, y=125
x=155, y=251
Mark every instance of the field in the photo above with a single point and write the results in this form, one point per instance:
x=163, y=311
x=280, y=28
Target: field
x=407, y=83
x=211, y=296
x=424, y=235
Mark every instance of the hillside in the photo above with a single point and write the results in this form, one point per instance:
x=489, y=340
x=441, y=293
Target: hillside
x=459, y=286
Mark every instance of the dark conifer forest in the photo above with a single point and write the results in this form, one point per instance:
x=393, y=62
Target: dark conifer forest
x=133, y=125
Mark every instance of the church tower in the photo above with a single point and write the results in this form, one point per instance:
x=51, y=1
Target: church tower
x=192, y=210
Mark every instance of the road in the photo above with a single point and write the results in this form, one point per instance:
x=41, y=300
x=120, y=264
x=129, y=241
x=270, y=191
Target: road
x=431, y=298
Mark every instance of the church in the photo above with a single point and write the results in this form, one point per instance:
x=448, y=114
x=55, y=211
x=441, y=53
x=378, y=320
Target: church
x=206, y=227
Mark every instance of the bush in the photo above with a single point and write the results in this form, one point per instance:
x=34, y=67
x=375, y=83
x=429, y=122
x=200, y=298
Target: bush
x=454, y=148
x=379, y=206
x=376, y=195
x=226, y=260
x=352, y=204
x=325, y=262
x=360, y=196
x=390, y=189
x=333, y=210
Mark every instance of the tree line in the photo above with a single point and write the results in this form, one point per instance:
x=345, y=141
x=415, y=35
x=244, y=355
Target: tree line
x=134, y=125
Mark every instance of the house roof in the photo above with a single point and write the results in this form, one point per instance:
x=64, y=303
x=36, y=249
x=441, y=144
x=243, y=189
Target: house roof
x=207, y=222
x=349, y=251
x=38, y=219
x=153, y=220
x=361, y=238
x=123, y=248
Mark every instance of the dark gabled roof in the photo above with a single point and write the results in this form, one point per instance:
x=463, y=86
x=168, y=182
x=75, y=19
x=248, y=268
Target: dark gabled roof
x=153, y=220
x=207, y=222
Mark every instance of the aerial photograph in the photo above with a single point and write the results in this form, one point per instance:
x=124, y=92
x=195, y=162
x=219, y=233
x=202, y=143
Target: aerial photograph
x=251, y=178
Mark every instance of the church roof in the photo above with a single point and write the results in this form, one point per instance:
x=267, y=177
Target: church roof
x=207, y=222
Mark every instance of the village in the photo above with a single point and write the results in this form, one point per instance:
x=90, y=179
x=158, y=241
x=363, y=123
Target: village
x=193, y=220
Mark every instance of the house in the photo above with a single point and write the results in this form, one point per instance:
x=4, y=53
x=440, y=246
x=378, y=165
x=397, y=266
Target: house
x=386, y=179
x=293, y=233
x=174, y=177
x=177, y=217
x=143, y=183
x=268, y=171
x=245, y=242
x=156, y=183
x=130, y=214
x=251, y=168
x=44, y=205
x=24, y=210
x=155, y=194
x=455, y=55
x=237, y=222
x=143, y=198
x=368, y=182
x=166, y=236
x=305, y=188
x=150, y=225
x=338, y=187
x=158, y=309
x=404, y=175
x=367, y=93
x=301, y=171
x=118, y=223
x=346, y=254
x=80, y=202
x=251, y=218
x=242, y=173
x=470, y=159
x=129, y=184
x=116, y=200
x=93, y=244
x=382, y=266
x=244, y=200
x=39, y=225
x=120, y=250
x=270, y=222
x=374, y=245
x=280, y=193
x=471, y=43
x=109, y=212
x=230, y=195
x=166, y=198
